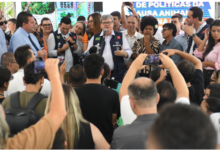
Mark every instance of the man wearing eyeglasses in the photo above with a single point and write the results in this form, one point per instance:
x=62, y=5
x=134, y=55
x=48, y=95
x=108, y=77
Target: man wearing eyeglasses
x=113, y=47
x=3, y=26
x=169, y=33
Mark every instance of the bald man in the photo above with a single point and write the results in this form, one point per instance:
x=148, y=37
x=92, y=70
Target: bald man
x=8, y=61
x=142, y=97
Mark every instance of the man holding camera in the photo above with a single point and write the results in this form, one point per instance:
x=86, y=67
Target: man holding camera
x=113, y=46
x=64, y=43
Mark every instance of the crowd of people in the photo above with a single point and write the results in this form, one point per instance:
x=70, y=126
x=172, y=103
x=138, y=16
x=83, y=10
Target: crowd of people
x=97, y=90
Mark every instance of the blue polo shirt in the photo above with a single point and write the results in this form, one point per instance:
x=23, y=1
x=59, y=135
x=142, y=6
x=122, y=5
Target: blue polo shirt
x=173, y=44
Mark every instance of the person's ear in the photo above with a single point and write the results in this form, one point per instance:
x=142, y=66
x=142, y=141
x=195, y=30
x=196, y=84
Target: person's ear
x=42, y=80
x=65, y=145
x=24, y=81
x=102, y=72
x=29, y=60
x=158, y=98
x=59, y=24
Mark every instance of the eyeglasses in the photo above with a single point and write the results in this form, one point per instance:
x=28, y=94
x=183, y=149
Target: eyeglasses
x=46, y=25
x=4, y=22
x=90, y=21
x=105, y=23
x=165, y=30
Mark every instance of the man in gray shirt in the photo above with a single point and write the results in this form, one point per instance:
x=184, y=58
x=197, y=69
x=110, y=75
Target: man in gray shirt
x=143, y=99
x=169, y=33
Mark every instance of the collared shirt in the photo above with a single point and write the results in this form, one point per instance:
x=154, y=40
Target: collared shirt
x=193, y=42
x=131, y=136
x=52, y=52
x=131, y=41
x=20, y=38
x=17, y=84
x=3, y=46
x=121, y=29
x=182, y=39
x=181, y=32
x=173, y=44
x=107, y=53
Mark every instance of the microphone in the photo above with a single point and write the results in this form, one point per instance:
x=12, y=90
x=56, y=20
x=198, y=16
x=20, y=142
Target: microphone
x=93, y=50
x=105, y=30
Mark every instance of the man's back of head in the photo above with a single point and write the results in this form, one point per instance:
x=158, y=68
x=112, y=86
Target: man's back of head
x=167, y=93
x=182, y=123
x=155, y=73
x=22, y=54
x=81, y=18
x=187, y=70
x=76, y=75
x=29, y=76
x=8, y=61
x=143, y=92
x=93, y=66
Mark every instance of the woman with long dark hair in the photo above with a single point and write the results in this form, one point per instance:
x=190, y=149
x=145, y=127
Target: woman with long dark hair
x=93, y=28
x=211, y=52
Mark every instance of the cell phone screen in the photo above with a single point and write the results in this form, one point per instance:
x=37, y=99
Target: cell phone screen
x=39, y=67
x=152, y=59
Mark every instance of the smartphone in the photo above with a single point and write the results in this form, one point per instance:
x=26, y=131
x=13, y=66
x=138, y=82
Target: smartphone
x=127, y=3
x=111, y=83
x=61, y=59
x=152, y=59
x=39, y=67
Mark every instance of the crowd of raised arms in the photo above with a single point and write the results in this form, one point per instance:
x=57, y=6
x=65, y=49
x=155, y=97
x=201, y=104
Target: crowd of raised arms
x=110, y=81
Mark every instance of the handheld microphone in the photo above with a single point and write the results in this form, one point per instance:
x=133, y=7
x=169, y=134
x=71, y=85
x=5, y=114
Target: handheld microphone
x=105, y=30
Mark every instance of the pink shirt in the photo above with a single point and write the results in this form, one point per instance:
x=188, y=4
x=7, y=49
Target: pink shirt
x=213, y=56
x=181, y=32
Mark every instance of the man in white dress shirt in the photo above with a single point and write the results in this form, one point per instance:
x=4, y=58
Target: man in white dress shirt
x=24, y=55
x=64, y=43
x=113, y=47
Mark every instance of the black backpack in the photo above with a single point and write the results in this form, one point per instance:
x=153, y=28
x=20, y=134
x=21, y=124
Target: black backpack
x=20, y=118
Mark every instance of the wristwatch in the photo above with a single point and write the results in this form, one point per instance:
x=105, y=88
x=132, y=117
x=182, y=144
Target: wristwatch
x=193, y=35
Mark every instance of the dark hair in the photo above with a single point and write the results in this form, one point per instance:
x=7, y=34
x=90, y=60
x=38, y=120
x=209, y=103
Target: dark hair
x=179, y=122
x=76, y=75
x=81, y=18
x=211, y=41
x=65, y=20
x=37, y=35
x=171, y=26
x=22, y=54
x=106, y=72
x=93, y=65
x=22, y=18
x=187, y=70
x=96, y=20
x=176, y=16
x=5, y=76
x=45, y=19
x=213, y=104
x=149, y=20
x=214, y=90
x=84, y=27
x=6, y=59
x=59, y=140
x=197, y=12
x=13, y=20
x=29, y=76
x=209, y=21
x=117, y=14
x=143, y=93
x=155, y=73
x=167, y=93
